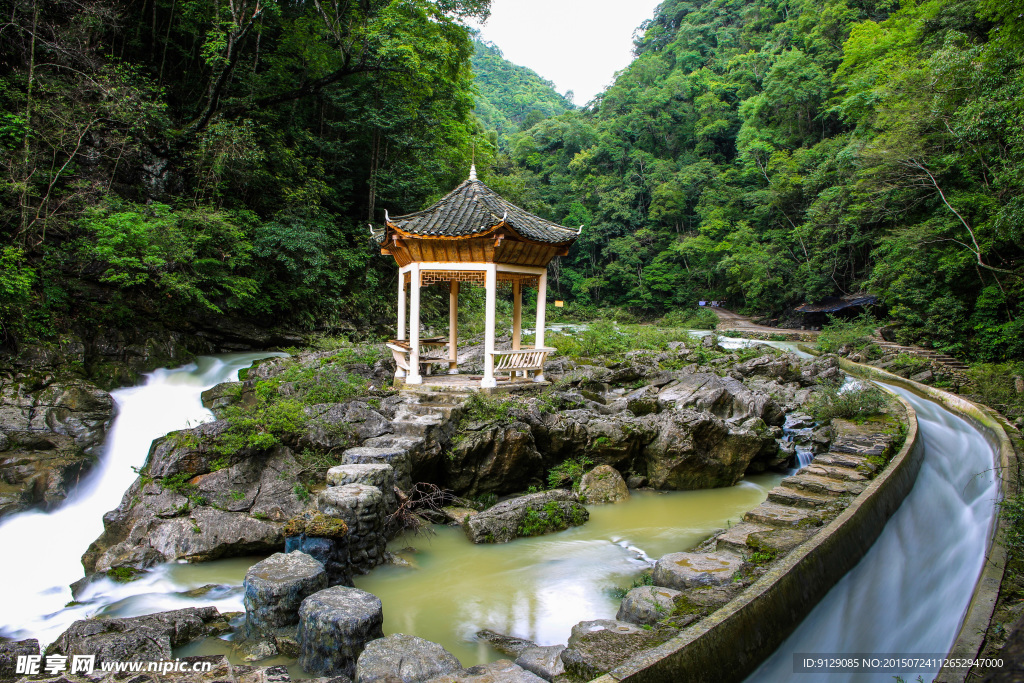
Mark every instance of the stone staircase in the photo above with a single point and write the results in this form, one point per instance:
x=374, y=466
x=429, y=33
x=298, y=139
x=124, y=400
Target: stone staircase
x=811, y=497
x=421, y=422
x=930, y=354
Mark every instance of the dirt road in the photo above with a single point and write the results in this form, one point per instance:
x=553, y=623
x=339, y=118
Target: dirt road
x=741, y=323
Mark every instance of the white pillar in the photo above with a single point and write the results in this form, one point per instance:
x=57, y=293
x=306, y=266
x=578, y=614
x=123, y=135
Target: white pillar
x=401, y=306
x=414, y=327
x=399, y=372
x=542, y=302
x=491, y=284
x=517, y=315
x=453, y=328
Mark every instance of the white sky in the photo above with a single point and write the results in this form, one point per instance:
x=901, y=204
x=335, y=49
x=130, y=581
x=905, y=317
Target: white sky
x=577, y=44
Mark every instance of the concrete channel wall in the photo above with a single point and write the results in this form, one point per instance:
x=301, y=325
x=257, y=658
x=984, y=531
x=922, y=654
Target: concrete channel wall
x=971, y=637
x=730, y=643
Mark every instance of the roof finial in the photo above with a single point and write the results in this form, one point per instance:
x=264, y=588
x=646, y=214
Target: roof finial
x=472, y=172
x=580, y=231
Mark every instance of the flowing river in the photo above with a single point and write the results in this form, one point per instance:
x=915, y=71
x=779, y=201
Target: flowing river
x=908, y=595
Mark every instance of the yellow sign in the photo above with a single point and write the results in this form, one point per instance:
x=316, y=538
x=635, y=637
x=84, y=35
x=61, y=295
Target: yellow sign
x=559, y=304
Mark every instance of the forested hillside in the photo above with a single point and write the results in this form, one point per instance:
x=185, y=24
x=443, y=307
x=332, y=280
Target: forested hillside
x=770, y=152
x=197, y=160
x=184, y=160
x=509, y=96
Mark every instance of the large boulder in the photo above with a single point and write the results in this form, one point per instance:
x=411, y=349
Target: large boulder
x=335, y=625
x=51, y=433
x=405, y=659
x=192, y=504
x=494, y=458
x=697, y=450
x=275, y=588
x=146, y=638
x=724, y=397
x=530, y=515
x=334, y=425
x=603, y=484
x=596, y=647
x=607, y=439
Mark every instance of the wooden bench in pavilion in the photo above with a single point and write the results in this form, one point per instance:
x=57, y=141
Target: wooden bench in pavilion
x=472, y=237
x=432, y=352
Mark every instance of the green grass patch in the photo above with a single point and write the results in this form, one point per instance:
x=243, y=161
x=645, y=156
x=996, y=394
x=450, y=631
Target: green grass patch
x=839, y=332
x=569, y=472
x=852, y=404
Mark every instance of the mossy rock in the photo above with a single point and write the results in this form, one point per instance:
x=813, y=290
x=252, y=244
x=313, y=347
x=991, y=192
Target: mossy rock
x=316, y=524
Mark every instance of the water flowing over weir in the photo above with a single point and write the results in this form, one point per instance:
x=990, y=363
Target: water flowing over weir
x=910, y=592
x=43, y=550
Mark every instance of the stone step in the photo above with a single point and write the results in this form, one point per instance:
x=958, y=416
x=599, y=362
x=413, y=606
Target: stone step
x=842, y=473
x=735, y=539
x=414, y=425
x=800, y=499
x=823, y=485
x=406, y=443
x=852, y=462
x=861, y=445
x=441, y=409
x=773, y=514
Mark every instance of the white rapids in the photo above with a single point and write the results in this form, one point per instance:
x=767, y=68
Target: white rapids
x=43, y=549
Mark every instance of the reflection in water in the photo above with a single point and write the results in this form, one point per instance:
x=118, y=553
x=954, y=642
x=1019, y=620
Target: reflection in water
x=539, y=588
x=35, y=588
x=910, y=592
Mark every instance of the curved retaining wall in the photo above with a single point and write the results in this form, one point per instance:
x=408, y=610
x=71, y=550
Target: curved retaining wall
x=971, y=637
x=730, y=643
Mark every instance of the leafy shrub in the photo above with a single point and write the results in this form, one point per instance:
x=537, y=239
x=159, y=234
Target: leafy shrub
x=700, y=318
x=849, y=403
x=910, y=363
x=15, y=286
x=569, y=472
x=839, y=333
x=993, y=385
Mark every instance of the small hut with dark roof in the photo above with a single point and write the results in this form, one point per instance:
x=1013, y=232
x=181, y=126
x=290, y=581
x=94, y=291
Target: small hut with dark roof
x=471, y=236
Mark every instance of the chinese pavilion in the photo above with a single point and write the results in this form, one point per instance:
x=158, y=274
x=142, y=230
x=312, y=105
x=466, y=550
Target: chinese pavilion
x=474, y=237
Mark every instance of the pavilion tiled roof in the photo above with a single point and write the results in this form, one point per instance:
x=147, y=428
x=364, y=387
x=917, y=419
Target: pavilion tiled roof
x=473, y=208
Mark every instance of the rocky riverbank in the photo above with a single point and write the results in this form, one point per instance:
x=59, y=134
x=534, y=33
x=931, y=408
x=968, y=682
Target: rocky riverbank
x=318, y=454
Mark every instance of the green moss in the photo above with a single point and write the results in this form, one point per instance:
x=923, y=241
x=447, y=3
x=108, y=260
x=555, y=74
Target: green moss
x=316, y=524
x=123, y=574
x=569, y=471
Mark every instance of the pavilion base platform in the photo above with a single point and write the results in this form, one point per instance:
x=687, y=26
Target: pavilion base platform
x=460, y=384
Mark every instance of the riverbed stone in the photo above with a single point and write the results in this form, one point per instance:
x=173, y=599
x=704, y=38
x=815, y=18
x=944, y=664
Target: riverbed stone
x=689, y=570
x=276, y=587
x=507, y=645
x=501, y=671
x=10, y=650
x=596, y=647
x=603, y=484
x=647, y=604
x=149, y=637
x=529, y=515
x=544, y=661
x=362, y=508
x=334, y=626
x=405, y=658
